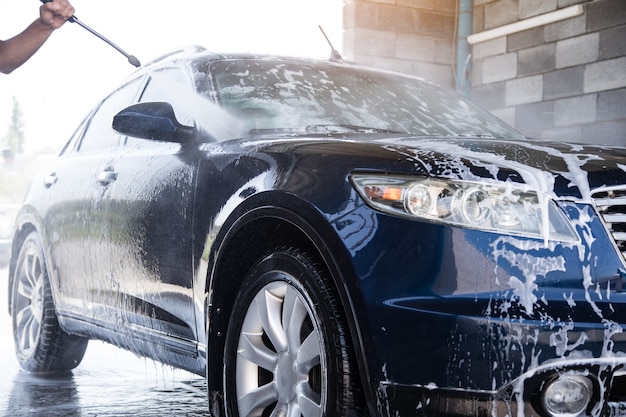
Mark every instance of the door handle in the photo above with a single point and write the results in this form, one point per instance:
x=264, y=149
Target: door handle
x=106, y=177
x=50, y=180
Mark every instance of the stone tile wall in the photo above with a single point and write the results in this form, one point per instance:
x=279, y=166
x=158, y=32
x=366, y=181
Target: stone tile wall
x=412, y=36
x=564, y=81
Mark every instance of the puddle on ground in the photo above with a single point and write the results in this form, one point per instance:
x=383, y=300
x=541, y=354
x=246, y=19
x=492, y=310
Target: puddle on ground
x=108, y=382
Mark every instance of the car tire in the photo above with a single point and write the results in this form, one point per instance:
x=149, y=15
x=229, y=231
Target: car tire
x=287, y=349
x=41, y=345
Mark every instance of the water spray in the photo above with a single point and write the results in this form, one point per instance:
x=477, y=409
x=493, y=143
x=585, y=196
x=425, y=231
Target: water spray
x=131, y=58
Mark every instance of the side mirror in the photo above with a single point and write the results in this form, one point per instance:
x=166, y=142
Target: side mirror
x=154, y=120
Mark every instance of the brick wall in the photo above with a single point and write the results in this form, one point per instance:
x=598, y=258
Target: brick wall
x=411, y=36
x=563, y=81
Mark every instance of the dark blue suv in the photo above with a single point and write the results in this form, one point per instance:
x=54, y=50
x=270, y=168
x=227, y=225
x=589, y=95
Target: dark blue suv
x=322, y=239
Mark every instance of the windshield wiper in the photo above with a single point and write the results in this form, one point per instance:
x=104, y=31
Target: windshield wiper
x=321, y=129
x=476, y=135
x=342, y=128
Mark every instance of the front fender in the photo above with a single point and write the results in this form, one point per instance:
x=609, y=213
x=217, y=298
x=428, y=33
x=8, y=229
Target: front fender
x=262, y=222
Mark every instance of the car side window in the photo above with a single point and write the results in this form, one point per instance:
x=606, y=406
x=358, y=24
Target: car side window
x=165, y=85
x=99, y=134
x=173, y=86
x=71, y=145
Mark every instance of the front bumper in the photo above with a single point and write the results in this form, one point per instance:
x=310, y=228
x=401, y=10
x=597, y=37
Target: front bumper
x=521, y=398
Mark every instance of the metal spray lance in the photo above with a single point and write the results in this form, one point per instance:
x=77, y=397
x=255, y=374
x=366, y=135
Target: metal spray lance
x=131, y=58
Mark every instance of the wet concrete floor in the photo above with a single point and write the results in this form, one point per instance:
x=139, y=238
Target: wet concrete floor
x=108, y=382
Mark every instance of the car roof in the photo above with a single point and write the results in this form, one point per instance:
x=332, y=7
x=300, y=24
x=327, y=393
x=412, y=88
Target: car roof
x=201, y=54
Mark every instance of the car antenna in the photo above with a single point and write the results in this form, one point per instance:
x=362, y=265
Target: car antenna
x=335, y=56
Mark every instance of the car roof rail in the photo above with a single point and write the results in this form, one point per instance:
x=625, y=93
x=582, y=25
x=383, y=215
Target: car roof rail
x=188, y=49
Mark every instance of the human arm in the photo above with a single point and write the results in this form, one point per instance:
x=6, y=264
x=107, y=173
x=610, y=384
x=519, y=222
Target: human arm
x=17, y=50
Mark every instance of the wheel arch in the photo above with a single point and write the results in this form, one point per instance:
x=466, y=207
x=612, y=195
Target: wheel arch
x=50, y=349
x=253, y=233
x=20, y=235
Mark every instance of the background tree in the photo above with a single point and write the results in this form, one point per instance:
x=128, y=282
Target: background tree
x=14, y=138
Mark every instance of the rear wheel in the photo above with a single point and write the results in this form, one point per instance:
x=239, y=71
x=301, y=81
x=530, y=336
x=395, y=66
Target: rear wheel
x=287, y=350
x=40, y=343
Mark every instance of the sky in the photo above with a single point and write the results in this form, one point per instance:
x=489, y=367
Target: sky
x=74, y=69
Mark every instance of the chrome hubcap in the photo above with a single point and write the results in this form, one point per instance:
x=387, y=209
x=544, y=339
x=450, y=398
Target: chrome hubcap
x=279, y=357
x=29, y=302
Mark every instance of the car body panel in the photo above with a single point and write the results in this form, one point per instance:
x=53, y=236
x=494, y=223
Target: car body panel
x=443, y=318
x=148, y=211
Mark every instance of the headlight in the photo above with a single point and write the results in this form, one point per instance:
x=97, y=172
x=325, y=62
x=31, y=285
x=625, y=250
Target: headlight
x=567, y=396
x=506, y=208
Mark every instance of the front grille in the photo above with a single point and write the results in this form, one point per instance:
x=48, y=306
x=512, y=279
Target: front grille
x=618, y=388
x=616, y=405
x=611, y=205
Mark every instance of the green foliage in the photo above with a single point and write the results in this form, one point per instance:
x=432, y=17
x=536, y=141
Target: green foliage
x=15, y=137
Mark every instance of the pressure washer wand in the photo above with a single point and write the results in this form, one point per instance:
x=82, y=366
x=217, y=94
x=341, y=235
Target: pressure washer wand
x=131, y=58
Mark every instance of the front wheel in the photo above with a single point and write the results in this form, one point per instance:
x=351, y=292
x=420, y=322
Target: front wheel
x=287, y=350
x=41, y=344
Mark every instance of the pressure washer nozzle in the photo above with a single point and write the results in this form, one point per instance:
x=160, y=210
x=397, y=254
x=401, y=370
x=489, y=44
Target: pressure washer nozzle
x=134, y=61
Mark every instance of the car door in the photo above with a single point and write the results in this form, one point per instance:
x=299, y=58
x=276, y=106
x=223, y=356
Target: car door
x=84, y=276
x=148, y=216
x=72, y=183
x=67, y=185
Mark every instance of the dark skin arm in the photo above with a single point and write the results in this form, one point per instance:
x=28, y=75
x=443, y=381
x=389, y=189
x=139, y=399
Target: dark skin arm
x=17, y=50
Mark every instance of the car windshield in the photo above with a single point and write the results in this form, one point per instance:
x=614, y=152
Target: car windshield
x=294, y=96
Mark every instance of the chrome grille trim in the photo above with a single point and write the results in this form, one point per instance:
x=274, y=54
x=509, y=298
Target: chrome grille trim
x=610, y=203
x=606, y=201
x=615, y=218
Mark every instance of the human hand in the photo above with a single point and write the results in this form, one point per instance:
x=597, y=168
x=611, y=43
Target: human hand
x=55, y=13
